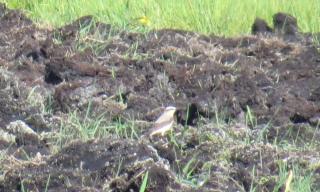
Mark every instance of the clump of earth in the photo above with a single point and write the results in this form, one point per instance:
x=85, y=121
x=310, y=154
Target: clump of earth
x=77, y=101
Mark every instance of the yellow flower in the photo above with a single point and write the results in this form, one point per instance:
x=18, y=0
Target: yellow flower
x=144, y=20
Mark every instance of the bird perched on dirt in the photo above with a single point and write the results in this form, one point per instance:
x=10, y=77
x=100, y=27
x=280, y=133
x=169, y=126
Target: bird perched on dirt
x=164, y=123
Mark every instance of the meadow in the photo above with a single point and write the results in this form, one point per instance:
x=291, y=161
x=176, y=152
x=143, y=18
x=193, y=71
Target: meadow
x=219, y=17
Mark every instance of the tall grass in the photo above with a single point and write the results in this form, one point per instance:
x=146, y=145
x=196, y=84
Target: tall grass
x=221, y=17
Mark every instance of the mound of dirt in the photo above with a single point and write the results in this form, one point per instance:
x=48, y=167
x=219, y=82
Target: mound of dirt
x=263, y=87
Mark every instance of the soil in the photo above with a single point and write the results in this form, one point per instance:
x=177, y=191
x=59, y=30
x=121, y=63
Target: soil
x=235, y=98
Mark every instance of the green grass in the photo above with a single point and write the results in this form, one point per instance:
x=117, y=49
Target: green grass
x=144, y=183
x=90, y=37
x=37, y=99
x=302, y=181
x=90, y=126
x=221, y=17
x=2, y=157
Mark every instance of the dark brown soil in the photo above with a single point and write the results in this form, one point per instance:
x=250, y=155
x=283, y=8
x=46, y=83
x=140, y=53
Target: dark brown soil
x=263, y=88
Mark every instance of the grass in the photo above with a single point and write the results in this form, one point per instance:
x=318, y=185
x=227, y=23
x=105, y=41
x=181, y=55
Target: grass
x=294, y=179
x=77, y=127
x=23, y=189
x=91, y=37
x=290, y=179
x=37, y=99
x=221, y=17
x=185, y=172
x=251, y=120
x=144, y=183
x=2, y=157
x=90, y=126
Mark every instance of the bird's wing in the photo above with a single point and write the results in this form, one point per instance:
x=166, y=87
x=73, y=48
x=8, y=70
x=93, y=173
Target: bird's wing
x=162, y=118
x=161, y=128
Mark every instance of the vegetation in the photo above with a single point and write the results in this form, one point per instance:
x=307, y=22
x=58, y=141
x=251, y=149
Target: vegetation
x=221, y=17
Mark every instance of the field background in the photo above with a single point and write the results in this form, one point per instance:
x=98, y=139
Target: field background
x=244, y=147
x=220, y=17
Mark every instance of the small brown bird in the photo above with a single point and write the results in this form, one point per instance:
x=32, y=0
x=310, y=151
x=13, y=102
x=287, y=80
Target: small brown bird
x=164, y=122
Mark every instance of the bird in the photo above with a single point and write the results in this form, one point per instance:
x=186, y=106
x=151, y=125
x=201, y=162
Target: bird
x=164, y=123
